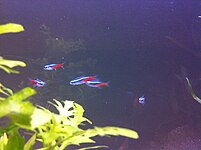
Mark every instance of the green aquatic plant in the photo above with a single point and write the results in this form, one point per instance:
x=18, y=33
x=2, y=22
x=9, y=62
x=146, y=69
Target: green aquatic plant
x=64, y=129
x=11, y=28
x=56, y=131
x=5, y=92
x=7, y=65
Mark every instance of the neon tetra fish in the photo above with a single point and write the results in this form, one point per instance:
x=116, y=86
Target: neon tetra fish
x=37, y=82
x=97, y=84
x=53, y=66
x=81, y=80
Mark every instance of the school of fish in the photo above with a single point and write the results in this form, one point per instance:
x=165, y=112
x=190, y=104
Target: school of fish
x=91, y=81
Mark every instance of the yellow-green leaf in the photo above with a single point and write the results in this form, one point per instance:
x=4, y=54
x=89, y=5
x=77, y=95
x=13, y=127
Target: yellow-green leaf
x=11, y=63
x=15, y=141
x=6, y=65
x=29, y=144
x=17, y=108
x=5, y=91
x=115, y=131
x=8, y=70
x=3, y=141
x=11, y=28
x=39, y=117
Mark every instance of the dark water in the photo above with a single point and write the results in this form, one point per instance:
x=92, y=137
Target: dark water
x=142, y=47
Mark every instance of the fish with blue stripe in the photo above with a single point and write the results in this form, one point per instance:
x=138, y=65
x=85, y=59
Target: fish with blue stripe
x=37, y=82
x=53, y=66
x=81, y=80
x=97, y=83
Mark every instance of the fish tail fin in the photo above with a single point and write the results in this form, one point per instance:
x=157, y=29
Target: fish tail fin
x=105, y=84
x=30, y=80
x=108, y=83
x=62, y=66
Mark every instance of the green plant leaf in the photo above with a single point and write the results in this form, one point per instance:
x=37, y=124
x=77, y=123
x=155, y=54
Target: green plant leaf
x=21, y=114
x=29, y=144
x=115, y=131
x=8, y=70
x=85, y=135
x=70, y=113
x=75, y=139
x=192, y=92
x=11, y=28
x=15, y=141
x=39, y=117
x=64, y=110
x=63, y=129
x=3, y=141
x=7, y=128
x=17, y=109
x=5, y=91
x=11, y=63
x=8, y=91
x=2, y=99
x=78, y=115
x=6, y=65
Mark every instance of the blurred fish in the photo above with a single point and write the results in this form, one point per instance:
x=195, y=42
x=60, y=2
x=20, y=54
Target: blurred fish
x=37, y=82
x=141, y=100
x=97, y=83
x=81, y=80
x=53, y=66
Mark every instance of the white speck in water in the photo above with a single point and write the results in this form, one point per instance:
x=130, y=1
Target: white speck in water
x=108, y=28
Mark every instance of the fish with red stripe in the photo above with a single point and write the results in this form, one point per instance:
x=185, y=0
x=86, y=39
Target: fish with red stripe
x=97, y=84
x=81, y=80
x=53, y=66
x=37, y=82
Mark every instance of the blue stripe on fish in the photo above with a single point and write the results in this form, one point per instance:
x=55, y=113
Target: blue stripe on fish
x=81, y=80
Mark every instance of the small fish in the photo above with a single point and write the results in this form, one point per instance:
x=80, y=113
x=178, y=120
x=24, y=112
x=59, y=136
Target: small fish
x=97, y=83
x=81, y=80
x=53, y=66
x=141, y=100
x=37, y=82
